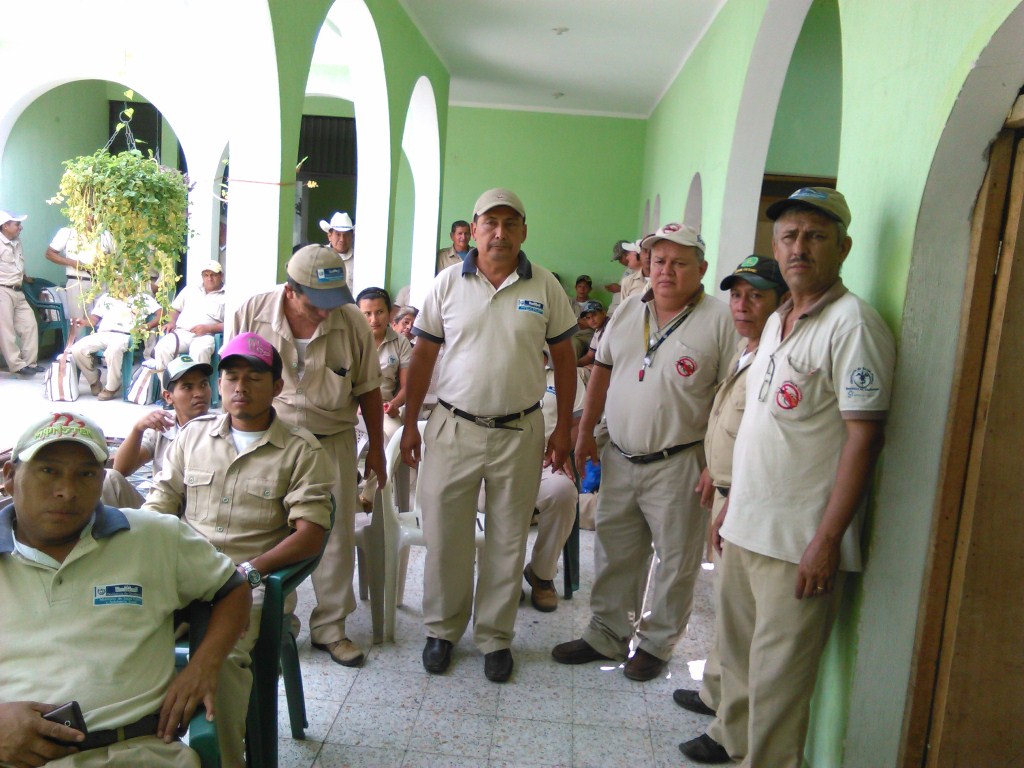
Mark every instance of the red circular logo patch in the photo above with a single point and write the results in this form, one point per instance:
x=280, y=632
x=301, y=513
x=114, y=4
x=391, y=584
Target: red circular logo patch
x=788, y=396
x=686, y=366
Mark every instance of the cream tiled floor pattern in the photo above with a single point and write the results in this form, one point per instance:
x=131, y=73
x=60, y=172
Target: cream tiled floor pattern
x=391, y=712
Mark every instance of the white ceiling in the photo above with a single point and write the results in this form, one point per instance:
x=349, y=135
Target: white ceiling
x=617, y=57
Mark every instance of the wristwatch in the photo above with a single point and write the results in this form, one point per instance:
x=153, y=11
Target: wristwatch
x=251, y=575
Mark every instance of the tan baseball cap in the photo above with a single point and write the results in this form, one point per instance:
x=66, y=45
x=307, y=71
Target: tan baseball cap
x=61, y=427
x=212, y=266
x=829, y=201
x=493, y=198
x=675, y=233
x=320, y=270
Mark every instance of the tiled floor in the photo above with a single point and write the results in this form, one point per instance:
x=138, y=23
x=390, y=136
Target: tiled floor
x=391, y=712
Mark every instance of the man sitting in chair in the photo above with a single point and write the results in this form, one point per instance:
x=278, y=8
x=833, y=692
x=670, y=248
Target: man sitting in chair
x=197, y=313
x=258, y=489
x=89, y=594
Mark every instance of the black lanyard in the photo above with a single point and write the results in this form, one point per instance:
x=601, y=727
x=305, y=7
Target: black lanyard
x=653, y=348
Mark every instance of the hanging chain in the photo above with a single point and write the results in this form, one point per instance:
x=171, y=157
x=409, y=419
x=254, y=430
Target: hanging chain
x=125, y=123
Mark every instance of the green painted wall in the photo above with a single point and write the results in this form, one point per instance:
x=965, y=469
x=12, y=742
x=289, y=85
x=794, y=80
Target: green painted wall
x=65, y=122
x=400, y=265
x=805, y=137
x=579, y=178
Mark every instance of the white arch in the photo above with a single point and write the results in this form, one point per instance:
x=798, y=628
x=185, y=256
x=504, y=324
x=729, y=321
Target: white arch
x=349, y=37
x=766, y=74
x=656, y=214
x=421, y=143
x=694, y=211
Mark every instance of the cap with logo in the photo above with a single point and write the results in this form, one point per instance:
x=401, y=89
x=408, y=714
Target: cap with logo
x=762, y=272
x=829, y=201
x=494, y=198
x=211, y=266
x=340, y=221
x=58, y=428
x=181, y=365
x=584, y=279
x=320, y=270
x=675, y=233
x=590, y=306
x=251, y=346
x=6, y=216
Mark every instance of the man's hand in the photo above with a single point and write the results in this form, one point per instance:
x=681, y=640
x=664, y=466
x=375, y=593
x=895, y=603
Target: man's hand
x=586, y=448
x=377, y=463
x=169, y=328
x=613, y=287
x=27, y=279
x=390, y=409
x=26, y=739
x=557, y=449
x=161, y=421
x=412, y=445
x=196, y=684
x=716, y=526
x=203, y=329
x=818, y=567
x=706, y=489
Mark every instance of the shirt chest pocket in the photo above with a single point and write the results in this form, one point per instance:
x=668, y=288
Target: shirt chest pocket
x=688, y=367
x=265, y=497
x=198, y=493
x=796, y=388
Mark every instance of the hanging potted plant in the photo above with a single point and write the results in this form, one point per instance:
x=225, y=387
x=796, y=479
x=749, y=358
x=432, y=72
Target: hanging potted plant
x=144, y=207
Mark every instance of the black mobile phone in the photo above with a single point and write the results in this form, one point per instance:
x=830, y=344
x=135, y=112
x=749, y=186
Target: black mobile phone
x=69, y=714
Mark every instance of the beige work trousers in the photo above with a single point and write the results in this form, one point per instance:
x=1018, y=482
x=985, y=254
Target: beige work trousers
x=19, y=333
x=182, y=342
x=458, y=456
x=118, y=492
x=770, y=644
x=146, y=751
x=640, y=505
x=113, y=345
x=332, y=579
x=556, y=512
x=711, y=683
x=234, y=684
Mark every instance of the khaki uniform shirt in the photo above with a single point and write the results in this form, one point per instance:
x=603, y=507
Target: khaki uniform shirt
x=724, y=421
x=12, y=262
x=670, y=406
x=447, y=257
x=837, y=363
x=341, y=363
x=197, y=307
x=244, y=503
x=394, y=354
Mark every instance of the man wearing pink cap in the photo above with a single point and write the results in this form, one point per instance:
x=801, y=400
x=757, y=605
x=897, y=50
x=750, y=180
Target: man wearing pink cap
x=331, y=370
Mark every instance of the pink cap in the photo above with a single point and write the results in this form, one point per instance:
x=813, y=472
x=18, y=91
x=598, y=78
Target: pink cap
x=251, y=346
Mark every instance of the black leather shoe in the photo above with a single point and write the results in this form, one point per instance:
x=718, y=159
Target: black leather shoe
x=576, y=652
x=437, y=655
x=498, y=665
x=705, y=750
x=690, y=699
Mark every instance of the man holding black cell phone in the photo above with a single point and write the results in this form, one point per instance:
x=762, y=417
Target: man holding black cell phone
x=89, y=593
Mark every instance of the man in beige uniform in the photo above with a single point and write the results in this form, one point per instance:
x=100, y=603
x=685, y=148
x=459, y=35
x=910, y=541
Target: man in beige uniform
x=19, y=334
x=657, y=367
x=77, y=255
x=330, y=369
x=340, y=234
x=811, y=432
x=494, y=316
x=755, y=289
x=258, y=489
x=454, y=254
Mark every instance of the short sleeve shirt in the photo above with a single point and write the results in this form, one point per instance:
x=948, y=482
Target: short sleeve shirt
x=549, y=404
x=197, y=307
x=123, y=316
x=12, y=262
x=394, y=354
x=494, y=337
x=341, y=363
x=680, y=380
x=837, y=363
x=67, y=242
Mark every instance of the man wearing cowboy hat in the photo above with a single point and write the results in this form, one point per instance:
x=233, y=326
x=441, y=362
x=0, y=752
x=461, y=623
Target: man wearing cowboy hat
x=340, y=232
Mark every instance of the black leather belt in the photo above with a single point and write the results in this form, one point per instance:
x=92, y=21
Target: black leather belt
x=649, y=458
x=724, y=491
x=12, y=287
x=491, y=422
x=96, y=739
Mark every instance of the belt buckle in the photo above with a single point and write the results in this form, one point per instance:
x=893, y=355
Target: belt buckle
x=485, y=422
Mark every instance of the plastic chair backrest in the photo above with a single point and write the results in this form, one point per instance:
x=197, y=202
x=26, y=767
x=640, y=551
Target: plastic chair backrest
x=32, y=292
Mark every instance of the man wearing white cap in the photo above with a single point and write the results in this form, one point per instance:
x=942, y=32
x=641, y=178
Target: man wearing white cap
x=626, y=253
x=19, y=334
x=197, y=313
x=340, y=232
x=656, y=370
x=331, y=369
x=493, y=315
x=77, y=255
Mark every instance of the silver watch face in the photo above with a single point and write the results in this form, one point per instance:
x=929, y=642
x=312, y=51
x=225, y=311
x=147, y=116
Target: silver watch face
x=253, y=577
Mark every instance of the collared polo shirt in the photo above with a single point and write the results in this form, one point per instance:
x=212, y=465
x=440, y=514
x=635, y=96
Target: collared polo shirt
x=99, y=629
x=341, y=363
x=122, y=316
x=836, y=364
x=549, y=403
x=394, y=354
x=670, y=405
x=197, y=307
x=12, y=262
x=244, y=503
x=67, y=242
x=494, y=337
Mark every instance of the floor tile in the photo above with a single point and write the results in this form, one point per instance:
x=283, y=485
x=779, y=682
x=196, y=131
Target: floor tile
x=533, y=741
x=547, y=703
x=460, y=696
x=362, y=725
x=455, y=735
x=347, y=756
x=598, y=746
x=614, y=708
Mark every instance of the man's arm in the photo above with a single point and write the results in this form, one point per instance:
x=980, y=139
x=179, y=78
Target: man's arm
x=421, y=368
x=168, y=492
x=206, y=329
x=197, y=683
x=304, y=542
x=593, y=407
x=58, y=258
x=131, y=454
x=391, y=407
x=372, y=405
x=27, y=739
x=563, y=361
x=173, y=322
x=820, y=561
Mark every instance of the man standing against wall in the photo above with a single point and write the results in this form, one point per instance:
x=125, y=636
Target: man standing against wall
x=19, y=334
x=812, y=430
x=493, y=315
x=77, y=255
x=330, y=370
x=340, y=234
x=446, y=257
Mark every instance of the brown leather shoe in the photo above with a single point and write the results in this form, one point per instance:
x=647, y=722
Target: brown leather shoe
x=343, y=652
x=643, y=666
x=576, y=652
x=96, y=388
x=543, y=594
x=109, y=394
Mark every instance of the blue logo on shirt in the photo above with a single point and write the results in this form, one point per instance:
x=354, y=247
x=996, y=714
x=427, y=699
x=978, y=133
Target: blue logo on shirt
x=117, y=594
x=525, y=305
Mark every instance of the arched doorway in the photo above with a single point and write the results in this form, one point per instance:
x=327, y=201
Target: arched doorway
x=421, y=145
x=694, y=211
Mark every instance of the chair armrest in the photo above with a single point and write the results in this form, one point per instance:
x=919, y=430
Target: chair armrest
x=202, y=738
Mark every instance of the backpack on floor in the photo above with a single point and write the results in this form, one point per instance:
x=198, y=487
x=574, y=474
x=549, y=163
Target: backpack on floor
x=61, y=381
x=145, y=386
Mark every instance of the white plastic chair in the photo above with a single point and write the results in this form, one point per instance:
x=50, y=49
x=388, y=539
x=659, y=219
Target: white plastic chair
x=402, y=529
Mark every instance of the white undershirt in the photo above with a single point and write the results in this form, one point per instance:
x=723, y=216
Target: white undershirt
x=745, y=358
x=300, y=349
x=244, y=440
